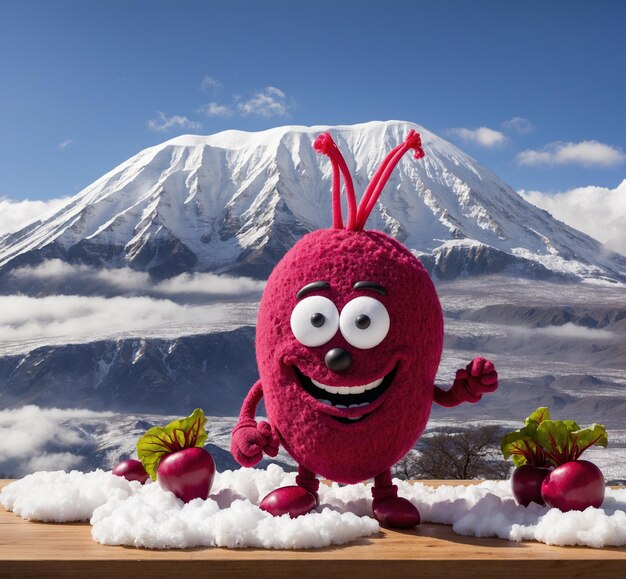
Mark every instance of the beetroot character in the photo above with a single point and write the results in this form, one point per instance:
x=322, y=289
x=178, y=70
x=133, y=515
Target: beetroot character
x=349, y=338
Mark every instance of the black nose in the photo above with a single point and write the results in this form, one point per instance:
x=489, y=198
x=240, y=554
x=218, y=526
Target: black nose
x=338, y=360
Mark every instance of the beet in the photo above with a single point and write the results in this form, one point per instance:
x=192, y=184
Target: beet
x=131, y=470
x=526, y=484
x=574, y=486
x=188, y=473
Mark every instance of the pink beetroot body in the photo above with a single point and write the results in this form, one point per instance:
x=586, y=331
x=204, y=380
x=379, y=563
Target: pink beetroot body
x=310, y=430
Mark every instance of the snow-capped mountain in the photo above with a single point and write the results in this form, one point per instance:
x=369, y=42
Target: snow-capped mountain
x=235, y=202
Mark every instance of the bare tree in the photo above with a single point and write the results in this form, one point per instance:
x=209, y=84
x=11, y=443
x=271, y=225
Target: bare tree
x=406, y=468
x=467, y=454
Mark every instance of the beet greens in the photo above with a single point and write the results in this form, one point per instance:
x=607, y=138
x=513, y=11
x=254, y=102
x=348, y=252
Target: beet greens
x=543, y=442
x=160, y=441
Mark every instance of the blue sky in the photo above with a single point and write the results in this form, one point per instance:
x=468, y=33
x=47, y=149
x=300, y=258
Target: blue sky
x=87, y=84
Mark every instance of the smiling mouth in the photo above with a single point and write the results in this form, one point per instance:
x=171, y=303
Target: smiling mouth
x=347, y=397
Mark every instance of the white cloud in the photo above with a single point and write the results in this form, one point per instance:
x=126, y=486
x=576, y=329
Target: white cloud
x=65, y=143
x=80, y=318
x=165, y=123
x=52, y=461
x=597, y=211
x=586, y=153
x=210, y=83
x=483, y=136
x=32, y=438
x=16, y=214
x=128, y=280
x=518, y=124
x=573, y=331
x=269, y=102
x=208, y=284
x=216, y=110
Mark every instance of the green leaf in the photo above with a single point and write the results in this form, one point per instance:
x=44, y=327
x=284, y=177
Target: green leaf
x=553, y=435
x=520, y=445
x=595, y=435
x=538, y=416
x=160, y=441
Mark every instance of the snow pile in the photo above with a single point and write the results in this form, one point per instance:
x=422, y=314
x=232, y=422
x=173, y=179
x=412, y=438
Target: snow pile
x=156, y=519
x=489, y=510
x=60, y=497
x=125, y=513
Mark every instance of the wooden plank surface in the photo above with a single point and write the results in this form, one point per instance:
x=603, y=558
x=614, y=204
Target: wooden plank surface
x=29, y=549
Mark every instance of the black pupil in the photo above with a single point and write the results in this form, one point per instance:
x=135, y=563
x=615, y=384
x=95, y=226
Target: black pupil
x=362, y=322
x=317, y=320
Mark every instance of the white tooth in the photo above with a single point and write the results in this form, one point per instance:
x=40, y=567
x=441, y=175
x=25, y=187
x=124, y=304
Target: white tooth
x=327, y=402
x=348, y=389
x=340, y=406
x=363, y=404
x=330, y=389
x=373, y=384
x=353, y=406
x=353, y=417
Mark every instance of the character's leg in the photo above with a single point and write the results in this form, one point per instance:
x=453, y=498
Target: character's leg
x=389, y=509
x=294, y=500
x=307, y=480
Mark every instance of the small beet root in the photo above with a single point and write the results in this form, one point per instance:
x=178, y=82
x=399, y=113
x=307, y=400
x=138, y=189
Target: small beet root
x=574, y=486
x=187, y=473
x=526, y=484
x=293, y=501
x=131, y=470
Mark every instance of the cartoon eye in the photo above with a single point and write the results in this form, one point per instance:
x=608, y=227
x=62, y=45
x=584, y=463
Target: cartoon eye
x=364, y=322
x=314, y=321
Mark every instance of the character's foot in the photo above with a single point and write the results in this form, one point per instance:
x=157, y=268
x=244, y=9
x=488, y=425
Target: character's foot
x=396, y=512
x=293, y=501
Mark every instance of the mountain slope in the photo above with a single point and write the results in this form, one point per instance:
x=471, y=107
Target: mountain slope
x=235, y=202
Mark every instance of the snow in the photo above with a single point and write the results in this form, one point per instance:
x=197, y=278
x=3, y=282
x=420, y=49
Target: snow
x=123, y=513
x=156, y=519
x=60, y=497
x=489, y=510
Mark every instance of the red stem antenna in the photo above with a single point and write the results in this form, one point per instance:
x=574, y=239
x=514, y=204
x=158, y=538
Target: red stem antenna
x=337, y=217
x=380, y=178
x=376, y=178
x=324, y=144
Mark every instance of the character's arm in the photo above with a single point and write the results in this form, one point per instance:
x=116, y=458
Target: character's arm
x=250, y=440
x=470, y=384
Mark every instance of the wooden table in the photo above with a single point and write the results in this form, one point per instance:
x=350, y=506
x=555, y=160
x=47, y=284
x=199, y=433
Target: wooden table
x=30, y=549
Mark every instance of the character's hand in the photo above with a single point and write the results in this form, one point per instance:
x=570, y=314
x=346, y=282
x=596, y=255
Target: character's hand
x=479, y=376
x=250, y=440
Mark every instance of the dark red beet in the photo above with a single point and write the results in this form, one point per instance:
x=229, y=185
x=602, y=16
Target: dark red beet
x=574, y=486
x=131, y=470
x=293, y=501
x=187, y=473
x=526, y=484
